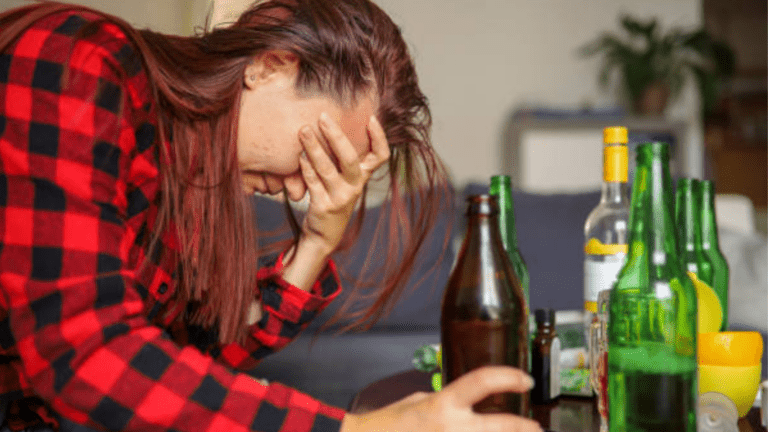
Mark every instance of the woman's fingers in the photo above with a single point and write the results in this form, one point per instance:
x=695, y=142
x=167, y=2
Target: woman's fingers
x=317, y=155
x=346, y=155
x=474, y=386
x=379, y=147
x=315, y=186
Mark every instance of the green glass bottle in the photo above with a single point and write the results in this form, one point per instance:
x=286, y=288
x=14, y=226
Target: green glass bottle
x=688, y=221
x=711, y=247
x=652, y=383
x=501, y=188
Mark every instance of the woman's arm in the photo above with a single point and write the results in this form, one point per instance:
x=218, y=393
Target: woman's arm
x=70, y=166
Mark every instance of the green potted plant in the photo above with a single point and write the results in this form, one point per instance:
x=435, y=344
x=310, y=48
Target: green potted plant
x=654, y=66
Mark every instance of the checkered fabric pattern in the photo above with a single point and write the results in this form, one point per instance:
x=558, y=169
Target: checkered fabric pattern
x=82, y=331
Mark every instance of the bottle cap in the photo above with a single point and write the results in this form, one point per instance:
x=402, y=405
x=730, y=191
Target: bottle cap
x=615, y=135
x=545, y=316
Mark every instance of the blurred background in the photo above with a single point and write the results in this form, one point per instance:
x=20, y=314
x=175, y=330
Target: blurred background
x=494, y=68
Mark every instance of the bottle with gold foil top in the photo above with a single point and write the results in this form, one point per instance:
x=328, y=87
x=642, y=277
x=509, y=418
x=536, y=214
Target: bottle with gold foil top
x=605, y=230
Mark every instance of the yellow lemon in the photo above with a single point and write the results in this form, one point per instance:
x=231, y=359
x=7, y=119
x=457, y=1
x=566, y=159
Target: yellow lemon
x=710, y=311
x=729, y=363
x=733, y=348
x=739, y=383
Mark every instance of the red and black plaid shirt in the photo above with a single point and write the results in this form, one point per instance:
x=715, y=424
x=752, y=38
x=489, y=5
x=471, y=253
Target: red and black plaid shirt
x=83, y=333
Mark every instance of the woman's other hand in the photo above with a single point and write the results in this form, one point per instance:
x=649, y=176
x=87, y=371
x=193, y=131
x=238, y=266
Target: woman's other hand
x=451, y=409
x=335, y=177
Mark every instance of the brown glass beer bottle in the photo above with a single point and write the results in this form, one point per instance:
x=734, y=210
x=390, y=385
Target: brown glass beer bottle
x=484, y=319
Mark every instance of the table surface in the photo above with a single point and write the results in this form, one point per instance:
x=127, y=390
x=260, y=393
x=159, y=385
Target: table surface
x=565, y=414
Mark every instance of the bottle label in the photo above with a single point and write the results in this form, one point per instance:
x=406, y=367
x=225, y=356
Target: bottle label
x=599, y=276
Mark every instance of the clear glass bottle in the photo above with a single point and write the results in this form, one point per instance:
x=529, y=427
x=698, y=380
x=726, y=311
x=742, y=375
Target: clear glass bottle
x=711, y=246
x=501, y=188
x=688, y=225
x=652, y=382
x=605, y=230
x=484, y=320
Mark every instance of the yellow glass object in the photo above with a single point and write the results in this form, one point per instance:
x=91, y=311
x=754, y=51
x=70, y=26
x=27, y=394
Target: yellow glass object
x=729, y=363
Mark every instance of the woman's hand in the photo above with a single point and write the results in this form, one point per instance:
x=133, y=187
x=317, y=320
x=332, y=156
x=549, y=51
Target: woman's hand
x=334, y=190
x=451, y=408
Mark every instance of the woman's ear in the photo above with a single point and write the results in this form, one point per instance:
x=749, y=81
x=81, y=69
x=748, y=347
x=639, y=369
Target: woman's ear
x=271, y=65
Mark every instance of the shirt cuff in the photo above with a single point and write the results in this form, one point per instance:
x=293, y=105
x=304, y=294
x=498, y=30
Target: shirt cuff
x=293, y=299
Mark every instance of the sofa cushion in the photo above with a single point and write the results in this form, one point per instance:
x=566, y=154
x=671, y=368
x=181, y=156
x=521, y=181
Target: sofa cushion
x=550, y=235
x=419, y=306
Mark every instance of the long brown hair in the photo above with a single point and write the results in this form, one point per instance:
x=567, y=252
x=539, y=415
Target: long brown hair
x=345, y=49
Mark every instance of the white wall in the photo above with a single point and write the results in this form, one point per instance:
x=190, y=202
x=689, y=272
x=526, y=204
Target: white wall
x=168, y=16
x=478, y=60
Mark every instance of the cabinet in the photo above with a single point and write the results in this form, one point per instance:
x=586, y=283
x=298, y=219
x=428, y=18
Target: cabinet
x=736, y=135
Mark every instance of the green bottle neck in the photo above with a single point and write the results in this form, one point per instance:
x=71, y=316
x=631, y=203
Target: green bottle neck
x=687, y=216
x=709, y=239
x=501, y=188
x=652, y=228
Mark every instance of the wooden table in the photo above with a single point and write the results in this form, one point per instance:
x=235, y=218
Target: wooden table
x=566, y=414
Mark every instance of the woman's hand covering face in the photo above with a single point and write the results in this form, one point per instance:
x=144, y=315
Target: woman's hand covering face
x=335, y=180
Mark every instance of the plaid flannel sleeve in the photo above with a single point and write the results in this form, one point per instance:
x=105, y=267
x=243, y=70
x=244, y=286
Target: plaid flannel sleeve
x=74, y=314
x=286, y=311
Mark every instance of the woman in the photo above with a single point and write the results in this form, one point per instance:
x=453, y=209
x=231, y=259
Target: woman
x=131, y=295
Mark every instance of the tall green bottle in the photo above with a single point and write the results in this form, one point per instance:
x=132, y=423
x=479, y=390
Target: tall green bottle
x=501, y=188
x=711, y=246
x=688, y=221
x=652, y=384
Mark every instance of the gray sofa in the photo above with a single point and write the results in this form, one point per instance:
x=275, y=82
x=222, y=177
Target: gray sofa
x=334, y=367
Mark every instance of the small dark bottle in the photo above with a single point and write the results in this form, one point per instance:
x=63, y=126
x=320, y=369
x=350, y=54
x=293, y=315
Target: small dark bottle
x=545, y=359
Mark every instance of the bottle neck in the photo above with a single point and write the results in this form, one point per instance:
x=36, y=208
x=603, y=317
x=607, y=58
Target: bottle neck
x=652, y=229
x=614, y=192
x=482, y=229
x=687, y=216
x=501, y=188
x=615, y=166
x=708, y=218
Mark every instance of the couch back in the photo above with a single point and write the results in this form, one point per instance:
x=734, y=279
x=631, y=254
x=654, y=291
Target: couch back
x=550, y=236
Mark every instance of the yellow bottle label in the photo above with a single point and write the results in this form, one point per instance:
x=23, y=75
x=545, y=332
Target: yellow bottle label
x=596, y=247
x=600, y=275
x=615, y=163
x=590, y=306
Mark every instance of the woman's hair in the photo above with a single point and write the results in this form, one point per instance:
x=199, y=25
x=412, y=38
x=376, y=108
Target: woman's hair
x=346, y=49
